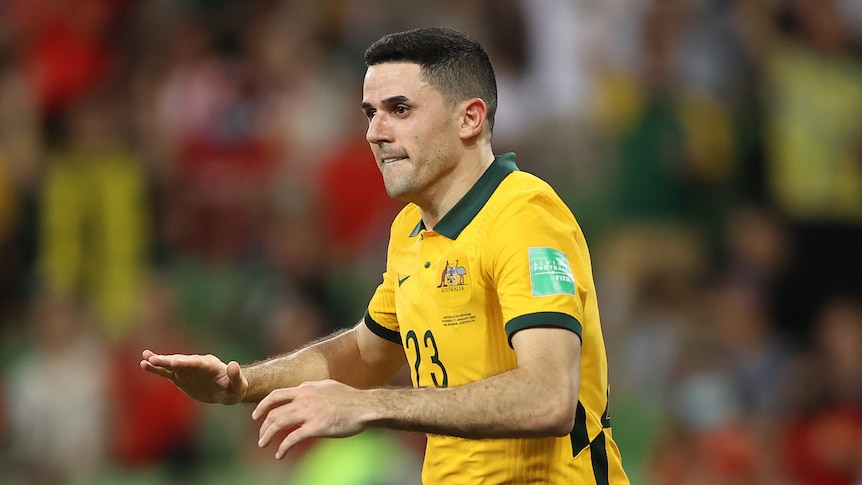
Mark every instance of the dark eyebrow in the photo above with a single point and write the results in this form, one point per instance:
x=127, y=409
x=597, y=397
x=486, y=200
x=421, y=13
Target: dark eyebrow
x=399, y=98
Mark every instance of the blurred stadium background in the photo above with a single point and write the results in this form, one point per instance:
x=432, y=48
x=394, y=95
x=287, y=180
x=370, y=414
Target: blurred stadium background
x=191, y=176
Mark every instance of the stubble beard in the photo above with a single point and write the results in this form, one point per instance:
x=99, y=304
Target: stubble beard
x=399, y=183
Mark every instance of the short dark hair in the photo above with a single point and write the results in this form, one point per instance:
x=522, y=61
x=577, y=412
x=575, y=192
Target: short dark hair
x=450, y=60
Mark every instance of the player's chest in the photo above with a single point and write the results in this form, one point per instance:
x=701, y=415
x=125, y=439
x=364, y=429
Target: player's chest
x=439, y=280
x=448, y=313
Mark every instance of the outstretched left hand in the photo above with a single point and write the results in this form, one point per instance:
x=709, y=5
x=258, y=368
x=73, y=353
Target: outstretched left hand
x=314, y=409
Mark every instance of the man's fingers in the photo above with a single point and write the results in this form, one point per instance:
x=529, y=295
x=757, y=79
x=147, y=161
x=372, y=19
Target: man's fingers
x=234, y=375
x=237, y=383
x=157, y=370
x=272, y=400
x=151, y=360
x=293, y=437
x=178, y=361
x=273, y=425
x=158, y=360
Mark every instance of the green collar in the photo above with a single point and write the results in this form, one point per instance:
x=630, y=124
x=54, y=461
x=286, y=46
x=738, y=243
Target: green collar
x=466, y=209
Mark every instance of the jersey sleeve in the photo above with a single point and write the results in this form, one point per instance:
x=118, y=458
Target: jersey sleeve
x=538, y=264
x=380, y=316
x=379, y=320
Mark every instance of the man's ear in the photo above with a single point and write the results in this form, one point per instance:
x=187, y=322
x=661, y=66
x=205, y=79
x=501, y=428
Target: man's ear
x=474, y=116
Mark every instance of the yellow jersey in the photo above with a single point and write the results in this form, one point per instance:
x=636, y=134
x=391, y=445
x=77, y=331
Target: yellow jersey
x=508, y=256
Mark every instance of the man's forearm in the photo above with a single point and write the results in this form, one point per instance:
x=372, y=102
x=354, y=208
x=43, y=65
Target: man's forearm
x=312, y=362
x=514, y=404
x=337, y=356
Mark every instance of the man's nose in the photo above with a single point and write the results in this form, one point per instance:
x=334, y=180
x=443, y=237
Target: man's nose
x=378, y=130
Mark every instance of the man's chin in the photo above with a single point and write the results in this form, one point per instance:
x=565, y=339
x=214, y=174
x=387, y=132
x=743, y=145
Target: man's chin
x=398, y=193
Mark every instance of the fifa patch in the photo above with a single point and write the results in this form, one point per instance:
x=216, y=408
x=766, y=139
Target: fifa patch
x=550, y=273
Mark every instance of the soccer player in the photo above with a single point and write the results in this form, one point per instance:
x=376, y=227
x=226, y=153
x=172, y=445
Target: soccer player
x=506, y=353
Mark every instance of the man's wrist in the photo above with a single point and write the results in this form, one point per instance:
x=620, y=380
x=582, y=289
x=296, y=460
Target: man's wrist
x=250, y=394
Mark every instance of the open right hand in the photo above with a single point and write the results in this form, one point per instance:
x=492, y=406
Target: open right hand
x=202, y=377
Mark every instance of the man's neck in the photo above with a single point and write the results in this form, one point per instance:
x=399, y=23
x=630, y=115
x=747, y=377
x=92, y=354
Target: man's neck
x=456, y=186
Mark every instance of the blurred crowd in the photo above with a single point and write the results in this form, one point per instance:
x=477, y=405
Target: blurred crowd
x=192, y=176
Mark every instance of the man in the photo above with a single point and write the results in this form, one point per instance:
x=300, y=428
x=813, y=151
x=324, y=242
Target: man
x=508, y=368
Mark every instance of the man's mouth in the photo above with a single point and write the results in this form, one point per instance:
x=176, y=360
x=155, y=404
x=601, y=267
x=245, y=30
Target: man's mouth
x=391, y=159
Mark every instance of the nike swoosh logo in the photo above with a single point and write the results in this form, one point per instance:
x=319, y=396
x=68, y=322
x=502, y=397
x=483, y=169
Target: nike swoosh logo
x=402, y=280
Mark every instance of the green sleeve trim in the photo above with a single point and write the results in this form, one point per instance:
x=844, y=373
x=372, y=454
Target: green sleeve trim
x=380, y=330
x=543, y=319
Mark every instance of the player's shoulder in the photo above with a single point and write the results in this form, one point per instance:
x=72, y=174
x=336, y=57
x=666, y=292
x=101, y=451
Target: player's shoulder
x=523, y=191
